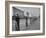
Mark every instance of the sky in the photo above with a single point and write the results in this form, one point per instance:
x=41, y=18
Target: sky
x=32, y=10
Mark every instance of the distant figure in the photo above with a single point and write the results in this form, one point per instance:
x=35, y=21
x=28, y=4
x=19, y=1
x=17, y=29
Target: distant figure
x=17, y=20
x=26, y=22
x=27, y=19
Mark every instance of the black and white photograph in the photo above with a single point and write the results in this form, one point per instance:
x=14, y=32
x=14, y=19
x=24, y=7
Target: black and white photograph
x=25, y=18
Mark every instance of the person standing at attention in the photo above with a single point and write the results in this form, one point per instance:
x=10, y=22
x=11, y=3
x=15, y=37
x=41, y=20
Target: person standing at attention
x=17, y=20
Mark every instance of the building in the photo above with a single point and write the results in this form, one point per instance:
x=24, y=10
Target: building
x=18, y=11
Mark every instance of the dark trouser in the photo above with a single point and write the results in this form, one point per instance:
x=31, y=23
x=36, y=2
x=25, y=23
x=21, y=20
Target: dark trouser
x=26, y=22
x=17, y=28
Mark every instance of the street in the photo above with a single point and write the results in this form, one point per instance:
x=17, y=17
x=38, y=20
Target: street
x=33, y=26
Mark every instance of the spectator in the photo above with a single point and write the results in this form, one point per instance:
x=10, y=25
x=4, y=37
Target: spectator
x=17, y=20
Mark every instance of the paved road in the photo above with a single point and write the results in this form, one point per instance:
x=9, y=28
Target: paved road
x=33, y=26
